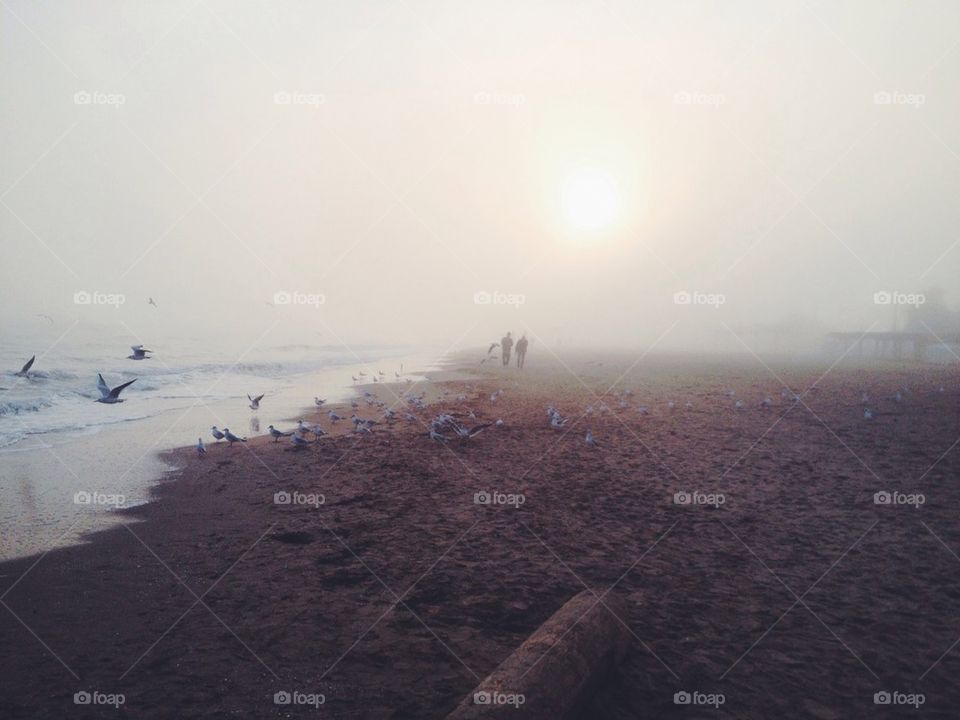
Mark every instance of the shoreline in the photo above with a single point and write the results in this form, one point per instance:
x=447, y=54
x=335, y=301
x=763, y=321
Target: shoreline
x=393, y=595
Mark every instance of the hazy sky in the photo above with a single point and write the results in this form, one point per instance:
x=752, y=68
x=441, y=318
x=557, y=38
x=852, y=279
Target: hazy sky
x=588, y=159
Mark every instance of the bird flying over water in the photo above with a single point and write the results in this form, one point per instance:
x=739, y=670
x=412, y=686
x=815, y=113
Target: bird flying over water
x=150, y=301
x=139, y=353
x=110, y=396
x=25, y=370
x=255, y=402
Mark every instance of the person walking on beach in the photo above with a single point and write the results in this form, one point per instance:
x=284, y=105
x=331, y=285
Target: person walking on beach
x=521, y=350
x=506, y=343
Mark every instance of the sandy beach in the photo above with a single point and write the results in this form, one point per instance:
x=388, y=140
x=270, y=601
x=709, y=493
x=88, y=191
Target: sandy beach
x=377, y=581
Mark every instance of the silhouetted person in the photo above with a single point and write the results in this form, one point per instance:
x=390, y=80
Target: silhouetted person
x=506, y=344
x=521, y=350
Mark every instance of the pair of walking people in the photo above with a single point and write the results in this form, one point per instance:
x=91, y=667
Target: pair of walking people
x=506, y=345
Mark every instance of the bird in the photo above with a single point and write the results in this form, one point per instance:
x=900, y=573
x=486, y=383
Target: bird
x=231, y=438
x=25, y=370
x=363, y=429
x=898, y=397
x=151, y=301
x=589, y=440
x=738, y=404
x=766, y=402
x=139, y=353
x=45, y=317
x=318, y=431
x=466, y=433
x=299, y=442
x=333, y=416
x=255, y=402
x=217, y=435
x=201, y=450
x=499, y=422
x=434, y=435
x=318, y=401
x=277, y=434
x=867, y=414
x=361, y=373
x=110, y=396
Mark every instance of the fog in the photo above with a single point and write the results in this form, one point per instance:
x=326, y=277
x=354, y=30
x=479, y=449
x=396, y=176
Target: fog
x=668, y=174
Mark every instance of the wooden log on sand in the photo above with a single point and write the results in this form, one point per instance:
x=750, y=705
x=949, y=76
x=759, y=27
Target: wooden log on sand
x=556, y=671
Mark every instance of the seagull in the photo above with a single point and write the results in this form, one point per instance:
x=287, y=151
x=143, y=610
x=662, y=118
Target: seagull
x=25, y=370
x=277, y=434
x=201, y=450
x=738, y=404
x=465, y=433
x=110, y=396
x=589, y=440
x=898, y=397
x=766, y=402
x=46, y=317
x=867, y=414
x=216, y=433
x=333, y=416
x=354, y=378
x=499, y=422
x=380, y=373
x=231, y=438
x=318, y=401
x=362, y=373
x=299, y=442
x=151, y=301
x=363, y=430
x=255, y=401
x=139, y=353
x=434, y=435
x=318, y=431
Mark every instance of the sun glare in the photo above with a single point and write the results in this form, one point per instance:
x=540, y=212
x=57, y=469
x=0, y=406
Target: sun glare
x=590, y=199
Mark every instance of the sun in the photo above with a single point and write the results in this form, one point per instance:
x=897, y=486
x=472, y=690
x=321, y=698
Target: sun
x=590, y=199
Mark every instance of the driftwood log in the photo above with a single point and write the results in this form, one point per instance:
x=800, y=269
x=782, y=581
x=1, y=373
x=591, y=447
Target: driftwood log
x=556, y=671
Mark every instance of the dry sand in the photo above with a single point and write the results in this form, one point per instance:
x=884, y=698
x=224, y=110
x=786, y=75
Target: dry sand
x=798, y=597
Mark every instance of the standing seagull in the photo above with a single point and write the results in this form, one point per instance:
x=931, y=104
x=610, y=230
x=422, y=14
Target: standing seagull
x=255, y=401
x=231, y=438
x=201, y=450
x=318, y=401
x=25, y=370
x=139, y=353
x=110, y=396
x=589, y=440
x=277, y=434
x=299, y=442
x=217, y=435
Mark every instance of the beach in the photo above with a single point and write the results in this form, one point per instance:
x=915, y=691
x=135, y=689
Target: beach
x=384, y=575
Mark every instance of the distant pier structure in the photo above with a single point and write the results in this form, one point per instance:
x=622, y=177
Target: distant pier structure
x=892, y=345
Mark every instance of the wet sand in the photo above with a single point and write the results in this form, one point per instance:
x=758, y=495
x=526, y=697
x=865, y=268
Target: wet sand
x=798, y=596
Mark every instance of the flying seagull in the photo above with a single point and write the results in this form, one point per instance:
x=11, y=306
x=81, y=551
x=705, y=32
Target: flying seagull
x=110, y=396
x=151, y=301
x=25, y=370
x=231, y=438
x=46, y=317
x=139, y=353
x=216, y=433
x=255, y=401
